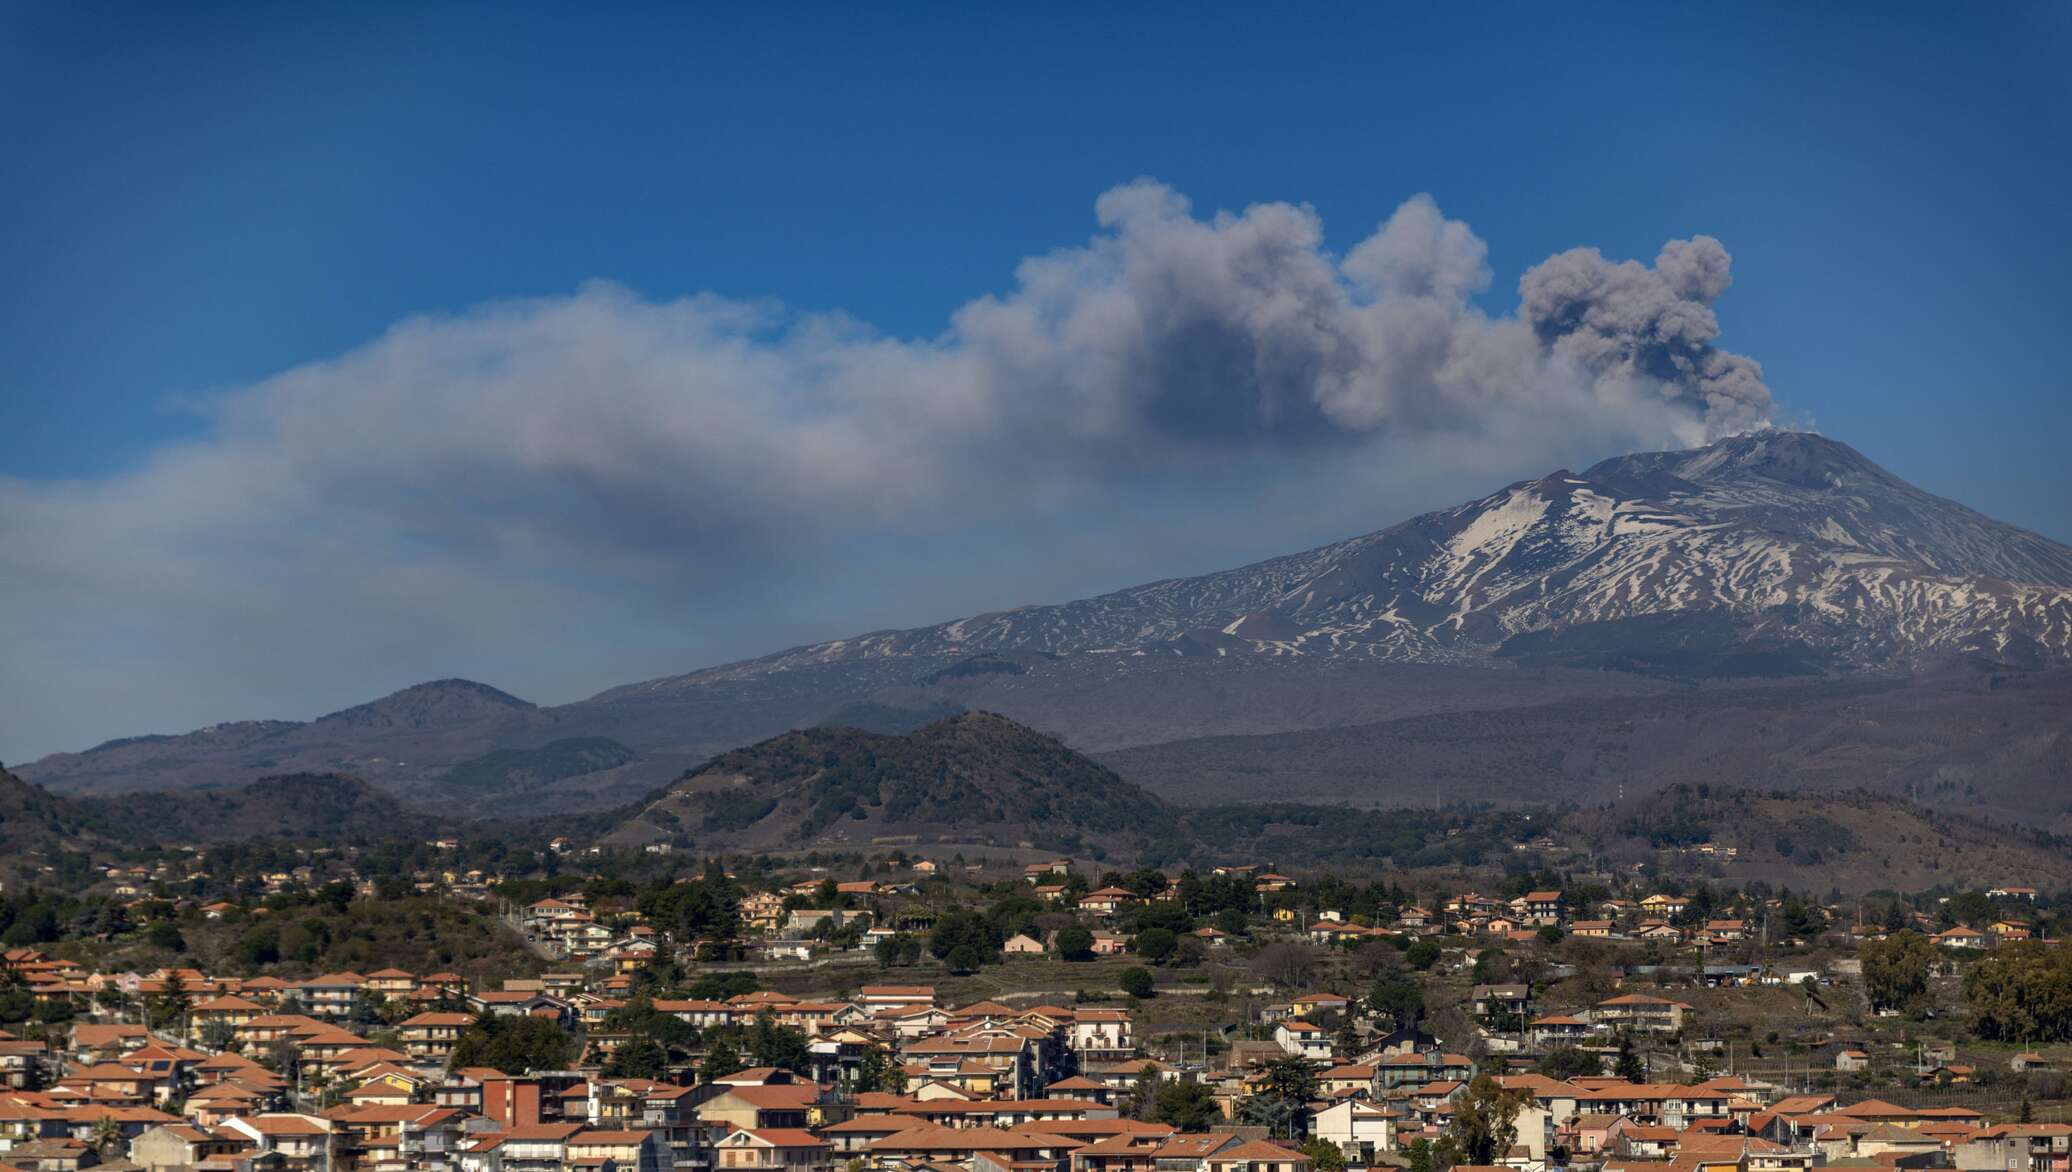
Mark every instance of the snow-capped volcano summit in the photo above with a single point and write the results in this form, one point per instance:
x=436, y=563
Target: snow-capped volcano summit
x=1788, y=478
x=1778, y=533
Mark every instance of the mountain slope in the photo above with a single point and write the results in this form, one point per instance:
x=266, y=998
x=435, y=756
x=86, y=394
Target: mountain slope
x=1772, y=555
x=979, y=776
x=1964, y=740
x=398, y=739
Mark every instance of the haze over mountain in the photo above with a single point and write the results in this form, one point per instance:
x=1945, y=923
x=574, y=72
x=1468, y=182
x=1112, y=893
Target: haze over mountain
x=1773, y=555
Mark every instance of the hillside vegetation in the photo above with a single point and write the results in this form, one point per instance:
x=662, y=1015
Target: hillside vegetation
x=976, y=774
x=39, y=829
x=504, y=770
x=1852, y=842
x=326, y=807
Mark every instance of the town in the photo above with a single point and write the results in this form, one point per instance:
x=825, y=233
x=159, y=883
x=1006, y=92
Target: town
x=654, y=1013
x=667, y=587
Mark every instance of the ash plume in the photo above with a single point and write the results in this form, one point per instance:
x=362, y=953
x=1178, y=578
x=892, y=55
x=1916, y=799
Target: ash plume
x=603, y=452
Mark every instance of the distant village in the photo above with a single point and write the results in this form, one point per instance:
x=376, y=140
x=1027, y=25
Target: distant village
x=937, y=1015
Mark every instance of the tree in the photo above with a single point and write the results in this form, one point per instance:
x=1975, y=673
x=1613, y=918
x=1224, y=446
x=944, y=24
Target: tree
x=964, y=958
x=1185, y=1105
x=877, y=1072
x=1137, y=982
x=1628, y=1064
x=106, y=1137
x=784, y=1047
x=1566, y=1062
x=1492, y=967
x=284, y=1058
x=1075, y=943
x=261, y=946
x=1142, y=1099
x=1966, y=907
x=962, y=928
x=165, y=934
x=1232, y=921
x=1010, y=915
x=721, y=1060
x=1155, y=944
x=1485, y=1122
x=1281, y=1102
x=2022, y=993
x=514, y=1045
x=1324, y=1156
x=1161, y=914
x=706, y=909
x=1400, y=998
x=1290, y=1078
x=1704, y=1065
x=1347, y=1038
x=898, y=948
x=721, y=986
x=218, y=1035
x=35, y=924
x=1286, y=964
x=167, y=1009
x=16, y=1002
x=1895, y=971
x=638, y=1058
x=1422, y=955
x=1799, y=920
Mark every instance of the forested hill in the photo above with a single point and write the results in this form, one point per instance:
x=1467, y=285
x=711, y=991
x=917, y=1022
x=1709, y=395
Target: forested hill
x=37, y=828
x=975, y=775
x=328, y=807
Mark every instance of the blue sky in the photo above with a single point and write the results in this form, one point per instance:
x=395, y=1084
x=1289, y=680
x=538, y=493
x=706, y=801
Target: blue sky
x=201, y=198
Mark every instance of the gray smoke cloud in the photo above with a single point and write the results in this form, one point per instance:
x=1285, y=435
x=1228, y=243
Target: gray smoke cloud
x=1654, y=327
x=415, y=504
x=1173, y=328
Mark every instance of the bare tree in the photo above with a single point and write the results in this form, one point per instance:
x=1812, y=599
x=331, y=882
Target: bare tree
x=1374, y=958
x=1286, y=964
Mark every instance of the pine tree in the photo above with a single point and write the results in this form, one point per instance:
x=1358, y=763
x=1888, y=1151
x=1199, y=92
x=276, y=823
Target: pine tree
x=721, y=1060
x=1628, y=1064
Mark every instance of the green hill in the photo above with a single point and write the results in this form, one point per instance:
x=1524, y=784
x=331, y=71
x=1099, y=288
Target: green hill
x=975, y=777
x=329, y=807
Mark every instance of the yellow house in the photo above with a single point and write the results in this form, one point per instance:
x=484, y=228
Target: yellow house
x=233, y=1011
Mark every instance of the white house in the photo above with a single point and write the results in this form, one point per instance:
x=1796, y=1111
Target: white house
x=1301, y=1038
x=1358, y=1127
